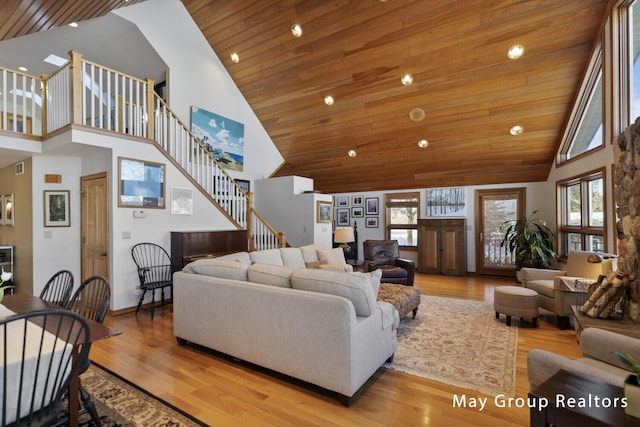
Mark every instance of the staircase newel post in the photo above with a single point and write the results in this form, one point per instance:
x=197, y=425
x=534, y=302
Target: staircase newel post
x=282, y=239
x=76, y=87
x=151, y=117
x=250, y=221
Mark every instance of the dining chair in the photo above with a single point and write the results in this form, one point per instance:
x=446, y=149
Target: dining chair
x=37, y=363
x=154, y=271
x=58, y=289
x=91, y=301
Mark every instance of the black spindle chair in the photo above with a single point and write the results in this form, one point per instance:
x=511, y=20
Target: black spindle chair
x=37, y=363
x=58, y=289
x=154, y=271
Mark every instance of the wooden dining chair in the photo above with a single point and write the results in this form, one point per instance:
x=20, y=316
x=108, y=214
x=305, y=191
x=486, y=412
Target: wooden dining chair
x=91, y=301
x=154, y=271
x=58, y=289
x=37, y=363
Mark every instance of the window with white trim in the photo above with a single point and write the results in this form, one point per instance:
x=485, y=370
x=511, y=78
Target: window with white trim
x=401, y=219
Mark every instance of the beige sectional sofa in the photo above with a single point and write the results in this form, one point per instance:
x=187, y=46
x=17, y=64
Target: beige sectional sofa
x=320, y=325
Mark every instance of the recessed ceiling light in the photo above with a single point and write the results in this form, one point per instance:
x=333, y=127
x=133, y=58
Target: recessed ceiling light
x=235, y=58
x=296, y=30
x=407, y=79
x=423, y=143
x=73, y=24
x=352, y=153
x=417, y=114
x=22, y=68
x=515, y=51
x=516, y=130
x=328, y=100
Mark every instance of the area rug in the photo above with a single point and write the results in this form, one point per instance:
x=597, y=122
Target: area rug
x=122, y=404
x=458, y=342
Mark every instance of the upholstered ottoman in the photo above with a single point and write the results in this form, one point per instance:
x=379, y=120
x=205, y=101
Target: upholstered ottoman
x=404, y=298
x=516, y=301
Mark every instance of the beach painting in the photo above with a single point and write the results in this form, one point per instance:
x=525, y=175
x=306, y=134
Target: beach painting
x=222, y=137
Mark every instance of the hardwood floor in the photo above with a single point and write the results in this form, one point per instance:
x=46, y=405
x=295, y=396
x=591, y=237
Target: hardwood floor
x=223, y=392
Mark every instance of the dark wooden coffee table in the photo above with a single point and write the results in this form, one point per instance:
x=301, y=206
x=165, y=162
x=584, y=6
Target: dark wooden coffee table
x=602, y=403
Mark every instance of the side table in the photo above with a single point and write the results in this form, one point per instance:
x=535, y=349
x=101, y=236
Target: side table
x=574, y=400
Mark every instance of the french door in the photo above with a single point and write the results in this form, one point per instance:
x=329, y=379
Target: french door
x=493, y=208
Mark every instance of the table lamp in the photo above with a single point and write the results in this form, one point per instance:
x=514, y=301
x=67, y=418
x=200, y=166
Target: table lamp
x=344, y=235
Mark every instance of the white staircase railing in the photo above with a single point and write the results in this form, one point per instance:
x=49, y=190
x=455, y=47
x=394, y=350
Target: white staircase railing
x=85, y=93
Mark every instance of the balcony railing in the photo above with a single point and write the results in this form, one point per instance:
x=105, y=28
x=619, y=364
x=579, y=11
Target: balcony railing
x=83, y=93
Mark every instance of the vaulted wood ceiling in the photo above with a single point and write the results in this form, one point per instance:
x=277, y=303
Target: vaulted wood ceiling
x=357, y=50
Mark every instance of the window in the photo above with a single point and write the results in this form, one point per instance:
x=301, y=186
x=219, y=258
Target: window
x=401, y=217
x=584, y=132
x=581, y=221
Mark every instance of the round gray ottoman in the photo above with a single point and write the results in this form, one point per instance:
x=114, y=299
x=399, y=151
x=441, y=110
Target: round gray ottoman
x=516, y=301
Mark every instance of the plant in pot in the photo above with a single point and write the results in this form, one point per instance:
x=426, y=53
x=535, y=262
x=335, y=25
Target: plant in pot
x=531, y=242
x=631, y=384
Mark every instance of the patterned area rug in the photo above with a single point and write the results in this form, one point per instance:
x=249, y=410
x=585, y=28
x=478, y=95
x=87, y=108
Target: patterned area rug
x=120, y=403
x=458, y=342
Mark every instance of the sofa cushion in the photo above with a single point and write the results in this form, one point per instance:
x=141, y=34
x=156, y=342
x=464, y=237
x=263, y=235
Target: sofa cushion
x=268, y=274
x=542, y=287
x=356, y=288
x=242, y=257
x=309, y=253
x=292, y=257
x=218, y=268
x=268, y=256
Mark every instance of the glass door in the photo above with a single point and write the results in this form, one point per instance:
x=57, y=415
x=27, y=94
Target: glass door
x=493, y=208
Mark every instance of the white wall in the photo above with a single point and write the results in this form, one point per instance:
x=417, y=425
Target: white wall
x=283, y=203
x=198, y=78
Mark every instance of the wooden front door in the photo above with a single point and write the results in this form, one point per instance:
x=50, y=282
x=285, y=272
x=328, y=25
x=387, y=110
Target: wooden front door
x=95, y=226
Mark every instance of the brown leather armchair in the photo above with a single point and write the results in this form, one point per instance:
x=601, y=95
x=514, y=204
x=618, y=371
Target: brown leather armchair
x=384, y=255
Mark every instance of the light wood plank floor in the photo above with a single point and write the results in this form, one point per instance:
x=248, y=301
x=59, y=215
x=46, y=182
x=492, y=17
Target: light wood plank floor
x=223, y=392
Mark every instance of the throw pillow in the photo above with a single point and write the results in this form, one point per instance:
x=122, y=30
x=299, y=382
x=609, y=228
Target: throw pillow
x=292, y=257
x=312, y=264
x=356, y=288
x=374, y=280
x=273, y=275
x=268, y=256
x=331, y=256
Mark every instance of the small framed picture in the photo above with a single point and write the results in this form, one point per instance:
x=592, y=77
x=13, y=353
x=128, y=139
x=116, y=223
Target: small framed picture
x=56, y=208
x=357, y=212
x=371, y=206
x=342, y=217
x=357, y=201
x=342, y=202
x=8, y=209
x=244, y=185
x=181, y=201
x=323, y=211
x=371, y=222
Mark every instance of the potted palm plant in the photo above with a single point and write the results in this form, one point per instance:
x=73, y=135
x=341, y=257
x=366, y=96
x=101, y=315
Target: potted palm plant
x=631, y=384
x=531, y=242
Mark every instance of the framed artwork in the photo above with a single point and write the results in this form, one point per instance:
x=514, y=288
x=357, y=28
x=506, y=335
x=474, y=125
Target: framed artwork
x=371, y=222
x=181, y=201
x=371, y=206
x=141, y=184
x=342, y=217
x=356, y=201
x=357, y=212
x=450, y=201
x=244, y=185
x=19, y=168
x=56, y=208
x=323, y=211
x=8, y=209
x=221, y=136
x=342, y=202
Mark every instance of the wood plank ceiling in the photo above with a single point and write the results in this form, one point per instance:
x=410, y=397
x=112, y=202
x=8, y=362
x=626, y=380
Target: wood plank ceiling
x=357, y=50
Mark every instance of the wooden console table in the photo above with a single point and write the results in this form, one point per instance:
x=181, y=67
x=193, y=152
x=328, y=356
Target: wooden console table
x=599, y=410
x=623, y=326
x=187, y=246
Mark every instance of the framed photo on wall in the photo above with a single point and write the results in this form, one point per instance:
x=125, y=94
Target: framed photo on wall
x=357, y=201
x=342, y=202
x=371, y=206
x=342, y=217
x=371, y=222
x=56, y=208
x=141, y=184
x=357, y=212
x=8, y=209
x=323, y=211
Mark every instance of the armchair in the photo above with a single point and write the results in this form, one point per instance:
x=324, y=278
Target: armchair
x=598, y=361
x=384, y=255
x=556, y=288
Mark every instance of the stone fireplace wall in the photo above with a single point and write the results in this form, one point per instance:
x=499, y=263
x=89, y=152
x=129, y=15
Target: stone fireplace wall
x=626, y=176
